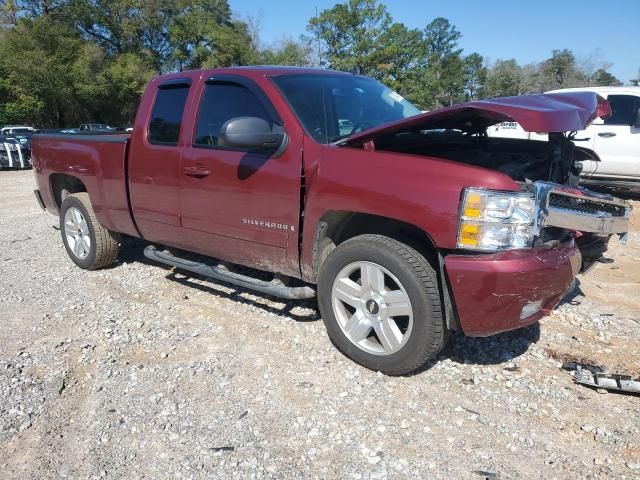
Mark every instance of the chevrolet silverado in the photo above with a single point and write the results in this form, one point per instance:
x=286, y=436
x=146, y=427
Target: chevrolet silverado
x=404, y=225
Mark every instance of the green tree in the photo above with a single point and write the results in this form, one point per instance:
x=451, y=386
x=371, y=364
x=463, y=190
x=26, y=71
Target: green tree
x=175, y=34
x=289, y=52
x=445, y=69
x=505, y=79
x=16, y=105
x=203, y=34
x=602, y=78
x=475, y=76
x=55, y=78
x=404, y=52
x=559, y=71
x=37, y=54
x=355, y=36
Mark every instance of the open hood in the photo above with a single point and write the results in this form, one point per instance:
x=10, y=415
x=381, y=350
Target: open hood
x=551, y=112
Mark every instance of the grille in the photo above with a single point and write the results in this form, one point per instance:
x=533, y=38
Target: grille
x=585, y=205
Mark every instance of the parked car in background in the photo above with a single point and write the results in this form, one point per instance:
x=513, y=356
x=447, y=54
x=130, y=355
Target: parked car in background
x=406, y=225
x=615, y=139
x=15, y=152
x=95, y=127
x=10, y=130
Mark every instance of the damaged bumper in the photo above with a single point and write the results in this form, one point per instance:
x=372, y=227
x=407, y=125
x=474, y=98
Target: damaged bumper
x=512, y=289
x=503, y=291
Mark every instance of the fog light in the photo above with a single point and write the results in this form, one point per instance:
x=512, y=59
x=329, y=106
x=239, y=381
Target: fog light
x=530, y=309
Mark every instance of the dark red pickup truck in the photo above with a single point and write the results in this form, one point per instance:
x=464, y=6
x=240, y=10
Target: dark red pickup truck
x=410, y=224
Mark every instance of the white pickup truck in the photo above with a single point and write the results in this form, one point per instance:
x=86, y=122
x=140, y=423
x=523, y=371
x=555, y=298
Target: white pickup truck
x=615, y=139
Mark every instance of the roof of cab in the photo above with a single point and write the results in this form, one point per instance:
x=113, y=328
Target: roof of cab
x=253, y=70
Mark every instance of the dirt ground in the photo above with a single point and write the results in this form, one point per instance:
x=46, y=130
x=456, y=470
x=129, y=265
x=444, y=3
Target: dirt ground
x=138, y=371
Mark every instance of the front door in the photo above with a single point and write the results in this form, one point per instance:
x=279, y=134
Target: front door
x=238, y=205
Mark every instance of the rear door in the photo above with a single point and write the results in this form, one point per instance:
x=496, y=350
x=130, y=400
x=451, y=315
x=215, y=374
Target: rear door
x=617, y=140
x=237, y=205
x=154, y=169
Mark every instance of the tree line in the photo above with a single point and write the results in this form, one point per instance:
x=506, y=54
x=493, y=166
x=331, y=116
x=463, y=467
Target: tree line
x=65, y=62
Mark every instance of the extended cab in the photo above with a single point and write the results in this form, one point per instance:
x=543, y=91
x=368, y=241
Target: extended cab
x=405, y=225
x=615, y=139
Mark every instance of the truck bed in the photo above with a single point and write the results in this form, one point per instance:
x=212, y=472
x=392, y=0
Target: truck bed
x=99, y=161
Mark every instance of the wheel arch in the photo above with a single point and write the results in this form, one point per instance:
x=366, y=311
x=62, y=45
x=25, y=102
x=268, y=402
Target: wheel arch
x=62, y=185
x=335, y=227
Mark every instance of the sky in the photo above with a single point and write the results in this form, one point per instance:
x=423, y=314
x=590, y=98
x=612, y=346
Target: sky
x=526, y=31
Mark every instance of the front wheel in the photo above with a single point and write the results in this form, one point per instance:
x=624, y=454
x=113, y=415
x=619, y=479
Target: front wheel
x=89, y=244
x=380, y=303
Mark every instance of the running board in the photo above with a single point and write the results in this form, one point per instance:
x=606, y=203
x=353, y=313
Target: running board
x=275, y=287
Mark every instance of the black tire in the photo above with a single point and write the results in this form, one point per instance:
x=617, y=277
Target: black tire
x=428, y=334
x=104, y=244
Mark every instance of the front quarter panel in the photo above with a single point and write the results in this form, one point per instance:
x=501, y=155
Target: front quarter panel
x=422, y=191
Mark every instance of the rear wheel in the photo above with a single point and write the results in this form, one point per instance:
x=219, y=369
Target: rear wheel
x=88, y=244
x=380, y=303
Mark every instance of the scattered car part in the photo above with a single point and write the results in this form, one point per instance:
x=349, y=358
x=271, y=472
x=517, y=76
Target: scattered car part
x=595, y=376
x=609, y=381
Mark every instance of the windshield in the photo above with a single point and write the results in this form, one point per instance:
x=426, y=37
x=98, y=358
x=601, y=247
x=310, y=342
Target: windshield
x=331, y=107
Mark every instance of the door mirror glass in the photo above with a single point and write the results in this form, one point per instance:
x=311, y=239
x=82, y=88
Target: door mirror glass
x=250, y=133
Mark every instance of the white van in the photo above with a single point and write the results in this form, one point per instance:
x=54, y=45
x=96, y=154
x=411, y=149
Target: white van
x=615, y=139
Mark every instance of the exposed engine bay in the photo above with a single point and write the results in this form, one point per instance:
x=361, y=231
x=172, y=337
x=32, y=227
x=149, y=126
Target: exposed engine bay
x=557, y=160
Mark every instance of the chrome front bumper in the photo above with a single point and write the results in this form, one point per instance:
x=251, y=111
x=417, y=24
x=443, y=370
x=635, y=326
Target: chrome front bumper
x=579, y=209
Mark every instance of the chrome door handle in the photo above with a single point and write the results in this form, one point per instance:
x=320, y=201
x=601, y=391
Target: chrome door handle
x=607, y=134
x=197, y=171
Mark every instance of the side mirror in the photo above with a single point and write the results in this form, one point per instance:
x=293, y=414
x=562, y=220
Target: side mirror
x=636, y=120
x=251, y=133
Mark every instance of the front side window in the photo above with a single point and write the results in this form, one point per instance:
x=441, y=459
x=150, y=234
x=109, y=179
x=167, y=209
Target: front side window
x=222, y=102
x=331, y=107
x=166, y=116
x=623, y=110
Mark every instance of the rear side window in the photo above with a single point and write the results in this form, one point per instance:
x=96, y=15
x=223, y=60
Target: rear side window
x=222, y=102
x=166, y=116
x=623, y=110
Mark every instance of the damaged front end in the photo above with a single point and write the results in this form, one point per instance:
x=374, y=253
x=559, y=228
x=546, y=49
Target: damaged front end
x=594, y=217
x=547, y=171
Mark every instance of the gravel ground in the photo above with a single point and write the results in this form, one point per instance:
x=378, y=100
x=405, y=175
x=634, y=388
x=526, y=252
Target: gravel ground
x=141, y=372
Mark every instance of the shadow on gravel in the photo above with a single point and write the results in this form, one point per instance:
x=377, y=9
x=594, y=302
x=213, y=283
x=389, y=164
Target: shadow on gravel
x=492, y=350
x=571, y=297
x=185, y=279
x=131, y=251
x=500, y=348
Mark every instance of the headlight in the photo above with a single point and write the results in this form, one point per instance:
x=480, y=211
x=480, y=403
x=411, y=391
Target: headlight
x=492, y=220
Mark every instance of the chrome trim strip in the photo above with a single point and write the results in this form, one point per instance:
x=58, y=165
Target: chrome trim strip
x=584, y=222
x=601, y=223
